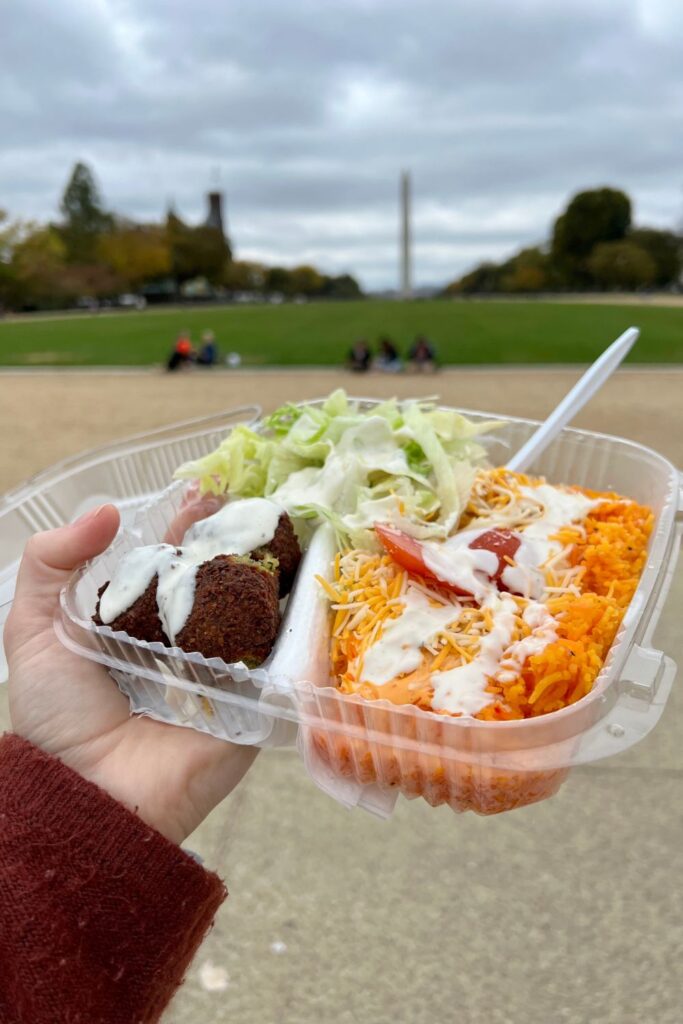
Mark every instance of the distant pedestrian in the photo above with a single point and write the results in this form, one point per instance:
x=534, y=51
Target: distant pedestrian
x=388, y=359
x=208, y=353
x=182, y=355
x=422, y=355
x=359, y=357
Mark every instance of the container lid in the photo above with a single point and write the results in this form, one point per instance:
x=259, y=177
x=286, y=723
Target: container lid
x=127, y=473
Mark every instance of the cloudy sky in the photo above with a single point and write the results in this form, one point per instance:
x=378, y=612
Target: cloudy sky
x=308, y=109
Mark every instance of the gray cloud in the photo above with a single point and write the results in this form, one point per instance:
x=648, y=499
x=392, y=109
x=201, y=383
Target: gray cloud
x=309, y=110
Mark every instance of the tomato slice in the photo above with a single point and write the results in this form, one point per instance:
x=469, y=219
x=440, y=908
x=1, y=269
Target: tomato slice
x=408, y=553
x=504, y=544
x=403, y=549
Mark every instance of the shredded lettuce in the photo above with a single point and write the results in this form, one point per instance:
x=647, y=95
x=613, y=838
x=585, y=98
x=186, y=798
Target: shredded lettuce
x=408, y=463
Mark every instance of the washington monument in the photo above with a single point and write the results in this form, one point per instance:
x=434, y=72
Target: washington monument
x=406, y=241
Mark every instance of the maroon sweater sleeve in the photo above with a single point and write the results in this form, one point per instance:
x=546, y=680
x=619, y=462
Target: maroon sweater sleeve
x=99, y=914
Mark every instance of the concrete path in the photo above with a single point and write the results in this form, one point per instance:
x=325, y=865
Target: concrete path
x=568, y=912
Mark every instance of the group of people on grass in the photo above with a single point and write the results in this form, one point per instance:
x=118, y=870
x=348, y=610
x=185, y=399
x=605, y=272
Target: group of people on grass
x=184, y=353
x=421, y=356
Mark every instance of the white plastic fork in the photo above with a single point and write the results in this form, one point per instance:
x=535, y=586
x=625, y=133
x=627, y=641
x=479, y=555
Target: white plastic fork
x=584, y=389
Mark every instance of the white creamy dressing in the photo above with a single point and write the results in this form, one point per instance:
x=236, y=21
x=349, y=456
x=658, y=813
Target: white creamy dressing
x=560, y=508
x=454, y=562
x=525, y=577
x=236, y=529
x=462, y=690
x=543, y=632
x=399, y=648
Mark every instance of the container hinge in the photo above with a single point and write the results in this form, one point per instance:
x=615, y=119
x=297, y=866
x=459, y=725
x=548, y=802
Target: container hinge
x=642, y=673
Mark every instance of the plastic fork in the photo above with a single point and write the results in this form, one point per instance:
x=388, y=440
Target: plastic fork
x=584, y=389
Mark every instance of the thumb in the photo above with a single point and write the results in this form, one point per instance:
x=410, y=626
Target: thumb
x=50, y=558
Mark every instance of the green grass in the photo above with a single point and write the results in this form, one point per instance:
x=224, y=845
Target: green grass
x=321, y=333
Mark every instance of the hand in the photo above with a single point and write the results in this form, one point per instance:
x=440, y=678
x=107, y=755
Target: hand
x=71, y=708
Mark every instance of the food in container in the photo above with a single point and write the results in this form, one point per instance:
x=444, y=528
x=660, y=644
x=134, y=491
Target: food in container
x=416, y=469
x=216, y=593
x=509, y=618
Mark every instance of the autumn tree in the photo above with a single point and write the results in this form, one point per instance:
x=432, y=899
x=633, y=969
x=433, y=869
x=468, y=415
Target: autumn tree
x=244, y=276
x=39, y=268
x=305, y=280
x=529, y=271
x=136, y=253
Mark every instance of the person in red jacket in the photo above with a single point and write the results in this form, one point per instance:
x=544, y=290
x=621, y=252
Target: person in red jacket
x=101, y=911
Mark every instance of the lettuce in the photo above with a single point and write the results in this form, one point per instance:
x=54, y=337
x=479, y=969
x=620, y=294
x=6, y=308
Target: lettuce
x=409, y=463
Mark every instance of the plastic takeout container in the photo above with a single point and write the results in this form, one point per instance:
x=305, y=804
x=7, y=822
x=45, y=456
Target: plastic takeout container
x=365, y=752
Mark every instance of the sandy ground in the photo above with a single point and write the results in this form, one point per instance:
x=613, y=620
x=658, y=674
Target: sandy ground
x=568, y=912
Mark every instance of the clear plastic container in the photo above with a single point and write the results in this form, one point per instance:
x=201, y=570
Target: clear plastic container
x=128, y=473
x=364, y=753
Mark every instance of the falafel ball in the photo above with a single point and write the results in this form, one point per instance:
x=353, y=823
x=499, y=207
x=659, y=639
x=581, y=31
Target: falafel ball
x=141, y=620
x=285, y=547
x=236, y=612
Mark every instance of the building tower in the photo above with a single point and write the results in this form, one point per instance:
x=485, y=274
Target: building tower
x=406, y=240
x=214, y=218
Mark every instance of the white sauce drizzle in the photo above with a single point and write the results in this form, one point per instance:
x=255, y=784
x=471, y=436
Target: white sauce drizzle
x=237, y=529
x=454, y=562
x=543, y=632
x=462, y=690
x=560, y=508
x=398, y=649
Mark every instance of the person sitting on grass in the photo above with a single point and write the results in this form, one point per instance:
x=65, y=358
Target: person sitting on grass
x=388, y=360
x=359, y=357
x=422, y=355
x=208, y=353
x=183, y=353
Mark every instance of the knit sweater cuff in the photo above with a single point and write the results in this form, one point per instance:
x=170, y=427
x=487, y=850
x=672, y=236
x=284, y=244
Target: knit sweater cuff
x=101, y=910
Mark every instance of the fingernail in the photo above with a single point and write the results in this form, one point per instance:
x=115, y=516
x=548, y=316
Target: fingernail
x=87, y=517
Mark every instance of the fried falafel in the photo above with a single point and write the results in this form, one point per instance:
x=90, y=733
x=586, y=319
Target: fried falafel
x=236, y=613
x=285, y=547
x=141, y=620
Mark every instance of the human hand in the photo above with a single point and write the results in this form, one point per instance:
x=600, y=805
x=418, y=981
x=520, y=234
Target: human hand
x=71, y=708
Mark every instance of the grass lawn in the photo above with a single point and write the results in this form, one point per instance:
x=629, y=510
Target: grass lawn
x=321, y=333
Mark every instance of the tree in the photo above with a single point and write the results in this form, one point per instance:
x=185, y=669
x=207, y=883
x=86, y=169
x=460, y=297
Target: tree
x=85, y=218
x=278, y=279
x=196, y=252
x=484, y=278
x=305, y=280
x=9, y=235
x=598, y=215
x=529, y=271
x=244, y=276
x=38, y=266
x=342, y=287
x=665, y=249
x=136, y=254
x=621, y=265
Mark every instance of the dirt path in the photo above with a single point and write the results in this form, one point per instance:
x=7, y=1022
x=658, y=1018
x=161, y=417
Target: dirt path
x=47, y=416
